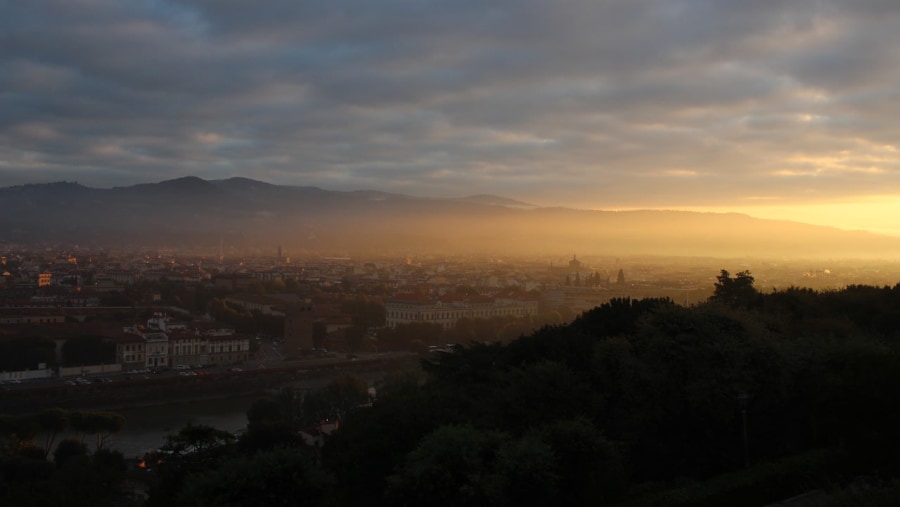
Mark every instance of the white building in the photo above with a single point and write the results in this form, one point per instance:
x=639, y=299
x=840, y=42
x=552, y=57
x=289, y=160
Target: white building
x=447, y=310
x=157, y=350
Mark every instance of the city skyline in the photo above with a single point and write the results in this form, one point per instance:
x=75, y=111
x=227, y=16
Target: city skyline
x=779, y=110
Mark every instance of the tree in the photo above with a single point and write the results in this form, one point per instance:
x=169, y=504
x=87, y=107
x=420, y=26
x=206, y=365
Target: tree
x=524, y=474
x=99, y=424
x=195, y=449
x=67, y=450
x=51, y=422
x=734, y=292
x=18, y=432
x=26, y=353
x=82, y=350
x=82, y=479
x=197, y=439
x=589, y=466
x=274, y=422
x=278, y=477
x=344, y=394
x=450, y=466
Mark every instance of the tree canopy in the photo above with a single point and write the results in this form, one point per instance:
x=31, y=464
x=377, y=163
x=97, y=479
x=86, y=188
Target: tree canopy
x=737, y=291
x=635, y=402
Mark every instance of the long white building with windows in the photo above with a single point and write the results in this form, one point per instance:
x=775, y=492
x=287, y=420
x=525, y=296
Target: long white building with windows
x=447, y=310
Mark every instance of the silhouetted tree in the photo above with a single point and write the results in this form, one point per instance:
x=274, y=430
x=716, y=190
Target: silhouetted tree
x=82, y=350
x=26, y=353
x=100, y=424
x=449, y=467
x=278, y=477
x=273, y=422
x=51, y=422
x=734, y=292
x=67, y=450
x=195, y=449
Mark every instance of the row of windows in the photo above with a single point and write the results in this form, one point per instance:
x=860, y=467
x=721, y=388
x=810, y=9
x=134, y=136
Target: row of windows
x=179, y=350
x=459, y=315
x=231, y=348
x=132, y=356
x=33, y=320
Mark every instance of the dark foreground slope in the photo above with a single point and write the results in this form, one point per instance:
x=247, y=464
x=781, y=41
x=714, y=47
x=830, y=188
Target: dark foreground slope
x=742, y=401
x=645, y=403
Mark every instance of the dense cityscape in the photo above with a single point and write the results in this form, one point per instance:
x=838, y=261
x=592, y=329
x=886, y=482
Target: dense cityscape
x=436, y=253
x=155, y=309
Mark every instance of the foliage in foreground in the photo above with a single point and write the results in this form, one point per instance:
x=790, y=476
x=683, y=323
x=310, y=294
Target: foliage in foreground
x=633, y=403
x=671, y=391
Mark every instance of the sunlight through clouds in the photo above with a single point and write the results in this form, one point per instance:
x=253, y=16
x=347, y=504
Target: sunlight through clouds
x=639, y=104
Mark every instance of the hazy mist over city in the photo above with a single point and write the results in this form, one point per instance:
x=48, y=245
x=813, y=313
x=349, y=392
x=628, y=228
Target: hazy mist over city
x=344, y=253
x=246, y=215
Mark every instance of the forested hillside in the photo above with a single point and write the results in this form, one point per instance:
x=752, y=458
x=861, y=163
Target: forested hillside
x=745, y=399
x=637, y=397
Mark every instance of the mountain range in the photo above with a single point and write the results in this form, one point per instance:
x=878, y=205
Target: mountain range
x=245, y=213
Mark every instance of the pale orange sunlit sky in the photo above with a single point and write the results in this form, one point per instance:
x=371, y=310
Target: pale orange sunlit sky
x=783, y=109
x=878, y=214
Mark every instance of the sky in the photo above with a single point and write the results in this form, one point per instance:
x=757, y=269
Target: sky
x=776, y=108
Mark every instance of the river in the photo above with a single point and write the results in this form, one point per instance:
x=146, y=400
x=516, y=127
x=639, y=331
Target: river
x=146, y=427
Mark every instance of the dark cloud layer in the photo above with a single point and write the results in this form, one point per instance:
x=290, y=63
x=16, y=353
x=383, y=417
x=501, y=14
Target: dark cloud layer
x=619, y=103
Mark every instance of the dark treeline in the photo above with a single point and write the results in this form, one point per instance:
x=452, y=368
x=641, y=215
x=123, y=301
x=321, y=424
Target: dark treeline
x=36, y=469
x=649, y=396
x=268, y=464
x=26, y=352
x=745, y=399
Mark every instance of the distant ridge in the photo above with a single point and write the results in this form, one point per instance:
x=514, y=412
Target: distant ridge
x=247, y=213
x=493, y=200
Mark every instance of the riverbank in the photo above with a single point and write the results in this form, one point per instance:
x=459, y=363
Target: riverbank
x=159, y=390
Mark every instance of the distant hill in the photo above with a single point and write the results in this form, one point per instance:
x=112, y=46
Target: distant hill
x=493, y=200
x=245, y=213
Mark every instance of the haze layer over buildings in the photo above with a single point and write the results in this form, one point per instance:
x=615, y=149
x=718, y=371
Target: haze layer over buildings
x=239, y=213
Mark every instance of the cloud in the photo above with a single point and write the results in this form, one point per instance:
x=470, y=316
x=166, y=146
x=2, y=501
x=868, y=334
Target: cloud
x=617, y=103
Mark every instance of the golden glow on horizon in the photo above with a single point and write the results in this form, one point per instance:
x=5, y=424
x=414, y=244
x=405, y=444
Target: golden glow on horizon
x=878, y=214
